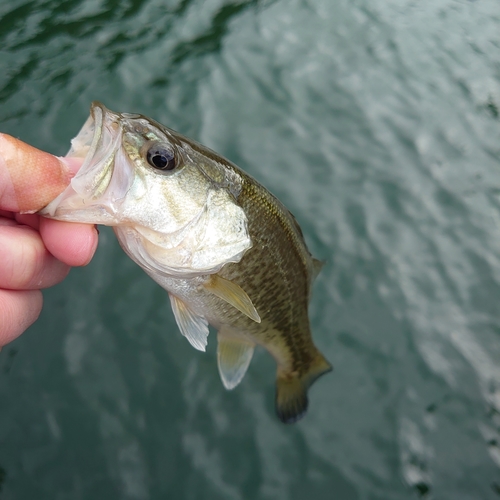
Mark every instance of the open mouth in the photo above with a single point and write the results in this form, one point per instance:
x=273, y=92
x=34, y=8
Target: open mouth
x=92, y=193
x=86, y=143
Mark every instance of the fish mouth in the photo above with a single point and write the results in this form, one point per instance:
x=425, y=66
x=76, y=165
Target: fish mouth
x=94, y=192
x=85, y=144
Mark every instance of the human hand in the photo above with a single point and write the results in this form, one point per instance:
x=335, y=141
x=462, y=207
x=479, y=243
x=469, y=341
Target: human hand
x=35, y=252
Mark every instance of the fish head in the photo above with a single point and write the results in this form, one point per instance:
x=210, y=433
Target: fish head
x=172, y=202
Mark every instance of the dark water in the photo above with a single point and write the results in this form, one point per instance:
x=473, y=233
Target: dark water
x=377, y=122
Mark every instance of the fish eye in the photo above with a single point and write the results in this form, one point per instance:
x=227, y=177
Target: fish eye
x=161, y=157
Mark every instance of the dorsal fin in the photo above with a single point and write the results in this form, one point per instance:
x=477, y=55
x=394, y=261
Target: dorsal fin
x=233, y=294
x=192, y=326
x=317, y=266
x=233, y=358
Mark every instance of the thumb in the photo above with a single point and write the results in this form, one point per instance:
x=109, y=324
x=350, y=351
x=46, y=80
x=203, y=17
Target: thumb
x=30, y=178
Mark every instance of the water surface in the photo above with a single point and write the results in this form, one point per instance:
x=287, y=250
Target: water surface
x=377, y=123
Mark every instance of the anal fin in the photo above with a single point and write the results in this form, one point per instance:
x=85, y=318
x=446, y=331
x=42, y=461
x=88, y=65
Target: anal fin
x=233, y=294
x=233, y=358
x=192, y=326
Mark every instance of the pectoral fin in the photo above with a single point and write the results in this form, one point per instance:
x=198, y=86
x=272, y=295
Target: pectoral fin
x=233, y=294
x=192, y=326
x=233, y=358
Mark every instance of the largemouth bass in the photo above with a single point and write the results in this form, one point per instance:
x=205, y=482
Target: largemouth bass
x=227, y=251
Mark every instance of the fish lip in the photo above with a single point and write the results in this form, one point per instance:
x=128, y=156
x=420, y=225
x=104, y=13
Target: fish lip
x=85, y=143
x=95, y=130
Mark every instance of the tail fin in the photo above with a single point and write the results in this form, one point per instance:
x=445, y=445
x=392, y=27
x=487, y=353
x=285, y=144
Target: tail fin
x=291, y=390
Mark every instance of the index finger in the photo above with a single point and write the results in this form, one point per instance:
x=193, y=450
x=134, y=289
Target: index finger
x=29, y=180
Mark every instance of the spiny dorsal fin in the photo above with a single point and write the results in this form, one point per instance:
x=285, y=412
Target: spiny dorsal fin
x=192, y=326
x=233, y=294
x=233, y=358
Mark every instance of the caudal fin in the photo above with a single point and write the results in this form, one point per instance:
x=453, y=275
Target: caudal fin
x=291, y=390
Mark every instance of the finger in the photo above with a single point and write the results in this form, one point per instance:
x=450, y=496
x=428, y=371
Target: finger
x=8, y=222
x=18, y=310
x=29, y=178
x=6, y=214
x=31, y=220
x=71, y=243
x=25, y=263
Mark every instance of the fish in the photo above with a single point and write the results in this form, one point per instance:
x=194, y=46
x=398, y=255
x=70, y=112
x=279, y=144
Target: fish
x=226, y=250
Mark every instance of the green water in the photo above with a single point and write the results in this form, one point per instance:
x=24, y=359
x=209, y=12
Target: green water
x=377, y=123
